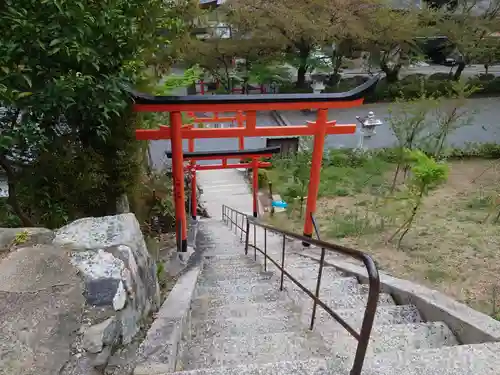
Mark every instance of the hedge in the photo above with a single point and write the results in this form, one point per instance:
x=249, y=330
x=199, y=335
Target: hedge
x=438, y=84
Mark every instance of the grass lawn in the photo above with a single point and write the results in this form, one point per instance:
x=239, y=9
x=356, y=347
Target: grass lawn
x=452, y=246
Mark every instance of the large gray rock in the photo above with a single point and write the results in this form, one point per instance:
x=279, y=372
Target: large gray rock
x=41, y=307
x=118, y=272
x=33, y=236
x=98, y=335
x=65, y=306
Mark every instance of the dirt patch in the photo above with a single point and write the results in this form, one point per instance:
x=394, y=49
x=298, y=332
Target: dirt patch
x=453, y=245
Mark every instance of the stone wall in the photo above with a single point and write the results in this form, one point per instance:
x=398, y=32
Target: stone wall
x=68, y=298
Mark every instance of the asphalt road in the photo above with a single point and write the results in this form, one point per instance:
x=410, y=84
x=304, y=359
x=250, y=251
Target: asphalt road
x=483, y=114
x=484, y=127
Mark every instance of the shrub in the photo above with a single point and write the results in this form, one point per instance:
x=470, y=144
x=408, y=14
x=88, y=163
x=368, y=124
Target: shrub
x=263, y=179
x=439, y=77
x=292, y=89
x=412, y=78
x=347, y=84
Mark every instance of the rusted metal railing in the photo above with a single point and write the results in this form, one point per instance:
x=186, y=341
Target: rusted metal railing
x=239, y=221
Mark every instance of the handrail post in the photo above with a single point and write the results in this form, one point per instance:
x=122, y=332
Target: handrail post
x=363, y=337
x=265, y=249
x=318, y=285
x=223, y=212
x=369, y=317
x=241, y=229
x=282, y=264
x=254, y=242
x=247, y=236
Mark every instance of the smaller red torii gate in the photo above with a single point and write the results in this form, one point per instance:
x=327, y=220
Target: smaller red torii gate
x=249, y=104
x=225, y=156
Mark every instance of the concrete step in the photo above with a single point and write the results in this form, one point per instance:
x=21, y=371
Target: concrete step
x=333, y=287
x=306, y=367
x=275, y=323
x=229, y=249
x=231, y=273
x=231, y=288
x=476, y=359
x=264, y=348
x=336, y=299
x=227, y=267
x=303, y=274
x=229, y=259
x=208, y=302
x=244, y=310
x=215, y=281
x=402, y=314
x=388, y=338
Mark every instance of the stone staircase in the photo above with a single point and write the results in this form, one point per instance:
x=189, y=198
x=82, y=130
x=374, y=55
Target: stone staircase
x=241, y=323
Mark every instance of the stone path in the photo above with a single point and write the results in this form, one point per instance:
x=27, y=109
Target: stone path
x=225, y=186
x=241, y=323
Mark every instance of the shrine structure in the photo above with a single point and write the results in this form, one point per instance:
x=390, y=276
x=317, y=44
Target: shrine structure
x=244, y=108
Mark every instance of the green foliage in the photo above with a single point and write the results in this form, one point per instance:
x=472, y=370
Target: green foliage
x=21, y=237
x=268, y=73
x=152, y=203
x=412, y=86
x=290, y=174
x=263, y=180
x=426, y=174
x=67, y=137
x=474, y=150
x=289, y=88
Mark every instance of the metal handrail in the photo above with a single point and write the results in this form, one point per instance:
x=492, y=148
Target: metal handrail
x=230, y=215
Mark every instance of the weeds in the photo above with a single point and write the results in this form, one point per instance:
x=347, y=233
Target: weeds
x=452, y=249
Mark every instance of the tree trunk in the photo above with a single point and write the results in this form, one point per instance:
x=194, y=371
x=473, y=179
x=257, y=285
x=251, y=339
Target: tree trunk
x=12, y=199
x=301, y=76
x=392, y=74
x=458, y=72
x=304, y=52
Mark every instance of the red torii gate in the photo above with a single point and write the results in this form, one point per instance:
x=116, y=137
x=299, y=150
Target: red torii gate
x=176, y=132
x=224, y=156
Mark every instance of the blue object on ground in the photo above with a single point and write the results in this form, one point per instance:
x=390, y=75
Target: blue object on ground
x=280, y=204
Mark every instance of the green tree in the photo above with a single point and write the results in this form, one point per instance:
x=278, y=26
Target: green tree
x=451, y=114
x=300, y=27
x=67, y=137
x=410, y=124
x=391, y=39
x=469, y=27
x=426, y=174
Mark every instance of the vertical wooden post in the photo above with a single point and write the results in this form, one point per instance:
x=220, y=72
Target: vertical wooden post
x=194, y=203
x=241, y=139
x=178, y=176
x=255, y=186
x=314, y=177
